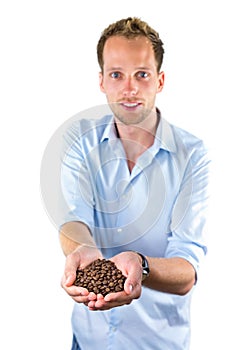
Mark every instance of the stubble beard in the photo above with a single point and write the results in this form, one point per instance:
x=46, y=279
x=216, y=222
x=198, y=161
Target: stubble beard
x=130, y=118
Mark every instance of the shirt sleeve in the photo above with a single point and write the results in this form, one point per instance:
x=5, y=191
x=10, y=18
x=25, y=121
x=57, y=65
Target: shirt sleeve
x=77, y=197
x=187, y=238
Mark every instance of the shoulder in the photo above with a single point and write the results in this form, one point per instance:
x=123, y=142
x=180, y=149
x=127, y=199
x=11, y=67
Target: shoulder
x=185, y=146
x=187, y=141
x=87, y=128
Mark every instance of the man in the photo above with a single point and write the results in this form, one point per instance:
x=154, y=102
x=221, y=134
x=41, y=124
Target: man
x=136, y=188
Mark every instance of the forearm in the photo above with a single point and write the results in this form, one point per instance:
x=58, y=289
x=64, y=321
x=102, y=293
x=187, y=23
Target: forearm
x=73, y=235
x=171, y=275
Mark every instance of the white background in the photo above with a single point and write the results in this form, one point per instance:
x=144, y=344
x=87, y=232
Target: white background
x=48, y=73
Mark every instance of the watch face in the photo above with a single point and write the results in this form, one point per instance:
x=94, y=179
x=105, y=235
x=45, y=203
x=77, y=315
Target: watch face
x=145, y=274
x=145, y=267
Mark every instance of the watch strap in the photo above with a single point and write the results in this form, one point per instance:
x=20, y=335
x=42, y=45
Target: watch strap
x=145, y=266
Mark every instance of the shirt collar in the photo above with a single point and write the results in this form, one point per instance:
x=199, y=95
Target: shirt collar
x=164, y=134
x=110, y=130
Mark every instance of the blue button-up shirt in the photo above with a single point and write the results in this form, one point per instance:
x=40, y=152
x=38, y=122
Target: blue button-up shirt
x=158, y=209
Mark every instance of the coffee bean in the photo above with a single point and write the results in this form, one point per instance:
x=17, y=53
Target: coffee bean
x=101, y=277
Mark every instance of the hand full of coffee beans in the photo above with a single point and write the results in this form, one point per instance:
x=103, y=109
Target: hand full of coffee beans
x=101, y=277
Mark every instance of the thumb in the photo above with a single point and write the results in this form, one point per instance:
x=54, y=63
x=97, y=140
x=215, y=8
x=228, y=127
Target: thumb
x=69, y=279
x=128, y=287
x=70, y=270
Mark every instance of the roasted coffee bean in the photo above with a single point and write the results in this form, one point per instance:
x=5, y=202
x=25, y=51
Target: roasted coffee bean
x=101, y=277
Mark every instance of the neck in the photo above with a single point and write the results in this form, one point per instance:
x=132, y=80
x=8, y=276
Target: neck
x=142, y=133
x=136, y=139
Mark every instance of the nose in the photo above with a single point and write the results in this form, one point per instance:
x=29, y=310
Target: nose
x=130, y=88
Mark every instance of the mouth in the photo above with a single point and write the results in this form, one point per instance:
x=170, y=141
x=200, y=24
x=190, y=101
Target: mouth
x=130, y=105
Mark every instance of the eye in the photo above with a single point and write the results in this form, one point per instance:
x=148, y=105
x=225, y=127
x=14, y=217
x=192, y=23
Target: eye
x=142, y=75
x=115, y=75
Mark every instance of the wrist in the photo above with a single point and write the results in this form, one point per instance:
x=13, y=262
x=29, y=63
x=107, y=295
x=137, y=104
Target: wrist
x=88, y=254
x=145, y=265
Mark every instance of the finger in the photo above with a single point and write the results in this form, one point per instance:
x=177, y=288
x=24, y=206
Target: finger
x=107, y=305
x=74, y=292
x=92, y=296
x=112, y=297
x=91, y=305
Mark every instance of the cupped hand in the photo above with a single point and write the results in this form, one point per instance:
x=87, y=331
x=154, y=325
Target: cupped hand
x=78, y=259
x=130, y=265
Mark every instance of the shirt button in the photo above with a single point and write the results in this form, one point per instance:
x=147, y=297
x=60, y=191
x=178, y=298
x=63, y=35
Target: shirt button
x=119, y=230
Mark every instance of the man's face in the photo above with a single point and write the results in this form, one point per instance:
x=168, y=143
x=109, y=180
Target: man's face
x=130, y=79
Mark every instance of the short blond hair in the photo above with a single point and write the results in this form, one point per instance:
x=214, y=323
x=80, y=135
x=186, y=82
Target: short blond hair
x=131, y=27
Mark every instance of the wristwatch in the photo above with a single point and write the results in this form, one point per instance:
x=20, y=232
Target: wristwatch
x=145, y=266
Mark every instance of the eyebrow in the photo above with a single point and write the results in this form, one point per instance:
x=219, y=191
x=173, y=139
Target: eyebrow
x=113, y=68
x=120, y=68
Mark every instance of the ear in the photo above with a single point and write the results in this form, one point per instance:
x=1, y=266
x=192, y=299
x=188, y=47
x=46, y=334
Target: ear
x=101, y=84
x=160, y=84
